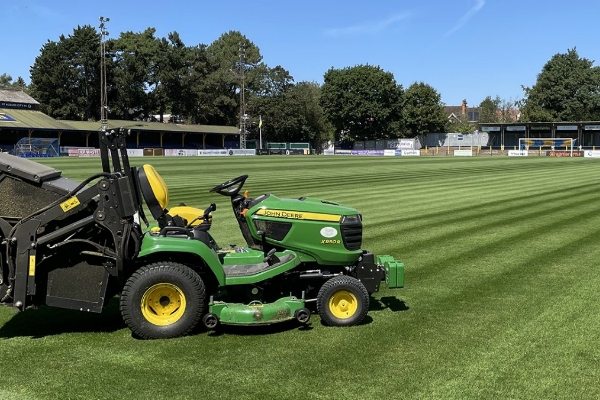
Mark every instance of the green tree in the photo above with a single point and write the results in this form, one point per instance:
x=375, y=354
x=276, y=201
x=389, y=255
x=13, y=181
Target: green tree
x=461, y=125
x=136, y=77
x=362, y=102
x=313, y=126
x=567, y=89
x=423, y=110
x=191, y=98
x=273, y=81
x=497, y=110
x=488, y=109
x=294, y=115
x=232, y=61
x=168, y=77
x=65, y=76
x=6, y=82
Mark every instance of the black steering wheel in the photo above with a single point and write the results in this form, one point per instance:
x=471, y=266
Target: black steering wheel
x=230, y=188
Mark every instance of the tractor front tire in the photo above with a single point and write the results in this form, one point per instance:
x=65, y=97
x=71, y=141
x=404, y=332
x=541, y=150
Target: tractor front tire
x=342, y=301
x=163, y=300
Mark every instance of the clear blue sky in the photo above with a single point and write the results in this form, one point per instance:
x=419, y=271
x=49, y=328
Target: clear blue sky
x=465, y=49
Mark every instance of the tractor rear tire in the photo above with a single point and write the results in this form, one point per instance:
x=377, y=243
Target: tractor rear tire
x=342, y=301
x=163, y=300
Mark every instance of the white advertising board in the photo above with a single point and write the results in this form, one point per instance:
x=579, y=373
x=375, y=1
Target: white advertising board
x=518, y=153
x=406, y=144
x=213, y=152
x=411, y=152
x=463, y=153
x=591, y=153
x=242, y=152
x=181, y=152
x=135, y=152
x=88, y=152
x=91, y=152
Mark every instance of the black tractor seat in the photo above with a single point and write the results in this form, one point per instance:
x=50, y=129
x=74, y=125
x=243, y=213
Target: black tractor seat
x=156, y=195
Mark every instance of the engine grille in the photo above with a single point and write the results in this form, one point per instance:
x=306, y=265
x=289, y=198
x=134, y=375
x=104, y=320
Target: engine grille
x=352, y=235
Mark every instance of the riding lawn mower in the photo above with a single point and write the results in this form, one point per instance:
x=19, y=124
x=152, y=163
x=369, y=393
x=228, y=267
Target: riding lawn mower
x=77, y=245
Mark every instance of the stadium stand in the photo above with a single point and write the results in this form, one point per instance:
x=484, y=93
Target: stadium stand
x=20, y=117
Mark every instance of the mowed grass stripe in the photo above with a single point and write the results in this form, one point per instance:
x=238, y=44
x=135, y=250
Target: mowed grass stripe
x=473, y=204
x=471, y=260
x=491, y=314
x=501, y=269
x=477, y=307
x=463, y=220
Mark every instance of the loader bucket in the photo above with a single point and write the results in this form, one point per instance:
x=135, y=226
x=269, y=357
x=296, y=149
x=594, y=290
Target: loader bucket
x=26, y=186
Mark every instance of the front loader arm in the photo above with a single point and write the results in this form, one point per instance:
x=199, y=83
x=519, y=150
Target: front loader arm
x=106, y=208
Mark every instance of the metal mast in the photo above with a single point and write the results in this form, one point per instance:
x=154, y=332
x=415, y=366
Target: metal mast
x=103, y=90
x=243, y=117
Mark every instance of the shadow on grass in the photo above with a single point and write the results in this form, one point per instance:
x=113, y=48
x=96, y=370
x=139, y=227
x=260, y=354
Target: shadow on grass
x=48, y=321
x=387, y=302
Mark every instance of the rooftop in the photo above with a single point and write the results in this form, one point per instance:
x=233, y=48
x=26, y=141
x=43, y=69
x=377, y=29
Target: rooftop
x=16, y=96
x=19, y=111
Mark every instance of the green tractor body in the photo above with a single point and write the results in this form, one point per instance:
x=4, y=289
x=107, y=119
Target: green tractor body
x=327, y=233
x=75, y=245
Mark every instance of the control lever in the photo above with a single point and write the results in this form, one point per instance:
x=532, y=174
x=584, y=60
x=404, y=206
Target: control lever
x=211, y=208
x=263, y=239
x=269, y=255
x=205, y=216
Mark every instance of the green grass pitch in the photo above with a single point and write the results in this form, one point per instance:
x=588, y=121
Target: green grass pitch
x=502, y=296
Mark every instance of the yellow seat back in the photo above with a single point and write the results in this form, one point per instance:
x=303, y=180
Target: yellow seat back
x=154, y=190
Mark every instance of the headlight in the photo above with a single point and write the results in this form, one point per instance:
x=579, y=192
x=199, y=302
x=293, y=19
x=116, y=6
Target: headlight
x=352, y=219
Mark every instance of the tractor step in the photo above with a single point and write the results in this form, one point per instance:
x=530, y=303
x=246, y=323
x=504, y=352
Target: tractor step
x=253, y=269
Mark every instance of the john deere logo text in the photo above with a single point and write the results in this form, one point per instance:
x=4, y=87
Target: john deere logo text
x=289, y=214
x=282, y=214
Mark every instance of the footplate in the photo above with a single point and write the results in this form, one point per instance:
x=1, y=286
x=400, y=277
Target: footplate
x=253, y=269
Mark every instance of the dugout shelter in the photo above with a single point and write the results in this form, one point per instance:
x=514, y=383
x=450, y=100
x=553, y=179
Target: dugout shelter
x=509, y=135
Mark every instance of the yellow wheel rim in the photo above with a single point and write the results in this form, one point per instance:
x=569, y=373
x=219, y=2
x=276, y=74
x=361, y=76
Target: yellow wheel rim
x=343, y=304
x=163, y=304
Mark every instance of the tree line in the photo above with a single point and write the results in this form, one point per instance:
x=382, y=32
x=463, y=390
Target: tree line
x=148, y=77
